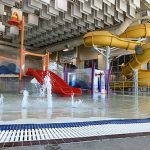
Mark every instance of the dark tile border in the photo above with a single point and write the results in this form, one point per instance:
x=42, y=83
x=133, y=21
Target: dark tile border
x=18, y=144
x=26, y=143
x=72, y=140
x=43, y=142
x=35, y=142
x=72, y=124
x=1, y=145
x=52, y=142
x=60, y=141
x=8, y=144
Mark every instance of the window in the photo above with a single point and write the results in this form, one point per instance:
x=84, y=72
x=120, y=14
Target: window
x=88, y=63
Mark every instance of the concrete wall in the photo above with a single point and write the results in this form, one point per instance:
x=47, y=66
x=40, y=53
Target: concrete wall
x=89, y=54
x=83, y=53
x=86, y=54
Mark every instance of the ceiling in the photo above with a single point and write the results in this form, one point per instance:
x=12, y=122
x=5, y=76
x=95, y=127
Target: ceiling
x=50, y=23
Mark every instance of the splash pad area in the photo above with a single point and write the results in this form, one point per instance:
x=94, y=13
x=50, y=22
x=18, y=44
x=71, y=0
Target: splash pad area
x=38, y=110
x=31, y=115
x=91, y=118
x=64, y=110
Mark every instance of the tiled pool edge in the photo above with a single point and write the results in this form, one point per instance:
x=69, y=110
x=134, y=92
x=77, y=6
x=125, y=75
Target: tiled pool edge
x=71, y=124
x=96, y=130
x=72, y=140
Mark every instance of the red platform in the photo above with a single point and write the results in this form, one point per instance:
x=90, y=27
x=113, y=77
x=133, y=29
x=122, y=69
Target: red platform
x=59, y=86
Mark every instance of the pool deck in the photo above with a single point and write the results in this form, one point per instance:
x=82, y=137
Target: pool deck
x=15, y=135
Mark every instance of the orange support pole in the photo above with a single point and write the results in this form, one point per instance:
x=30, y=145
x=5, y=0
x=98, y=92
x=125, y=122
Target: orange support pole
x=44, y=63
x=16, y=22
x=22, y=49
x=47, y=61
x=33, y=54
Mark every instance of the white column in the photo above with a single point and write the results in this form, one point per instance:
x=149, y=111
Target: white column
x=107, y=58
x=76, y=60
x=101, y=62
x=135, y=81
x=107, y=69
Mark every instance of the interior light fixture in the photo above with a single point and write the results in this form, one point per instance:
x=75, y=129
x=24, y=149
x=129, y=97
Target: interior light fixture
x=66, y=49
x=5, y=13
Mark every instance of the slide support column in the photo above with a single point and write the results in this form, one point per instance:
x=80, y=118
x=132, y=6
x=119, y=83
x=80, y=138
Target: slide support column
x=92, y=78
x=135, y=81
x=108, y=70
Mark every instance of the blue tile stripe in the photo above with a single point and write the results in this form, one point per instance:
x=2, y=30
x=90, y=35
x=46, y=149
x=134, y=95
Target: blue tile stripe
x=72, y=124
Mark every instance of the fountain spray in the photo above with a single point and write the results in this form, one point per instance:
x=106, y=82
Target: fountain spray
x=25, y=99
x=47, y=83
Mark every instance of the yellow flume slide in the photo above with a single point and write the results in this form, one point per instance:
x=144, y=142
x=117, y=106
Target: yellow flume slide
x=105, y=38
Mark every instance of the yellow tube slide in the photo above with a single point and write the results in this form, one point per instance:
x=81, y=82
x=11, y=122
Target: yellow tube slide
x=141, y=30
x=105, y=38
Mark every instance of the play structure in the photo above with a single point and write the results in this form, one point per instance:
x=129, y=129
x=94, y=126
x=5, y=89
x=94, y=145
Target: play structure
x=58, y=85
x=89, y=80
x=142, y=50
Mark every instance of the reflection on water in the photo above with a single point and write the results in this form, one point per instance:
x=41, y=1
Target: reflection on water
x=24, y=114
x=99, y=106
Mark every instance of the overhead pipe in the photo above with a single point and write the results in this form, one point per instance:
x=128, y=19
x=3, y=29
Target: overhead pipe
x=128, y=21
x=62, y=45
x=122, y=27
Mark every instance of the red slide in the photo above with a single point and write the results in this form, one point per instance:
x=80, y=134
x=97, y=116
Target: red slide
x=59, y=86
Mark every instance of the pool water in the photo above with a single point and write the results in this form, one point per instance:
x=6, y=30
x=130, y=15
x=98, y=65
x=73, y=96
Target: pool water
x=98, y=107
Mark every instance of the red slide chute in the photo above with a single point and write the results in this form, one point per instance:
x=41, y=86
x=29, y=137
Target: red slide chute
x=59, y=86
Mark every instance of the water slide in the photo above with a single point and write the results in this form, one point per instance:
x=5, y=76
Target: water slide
x=105, y=38
x=59, y=86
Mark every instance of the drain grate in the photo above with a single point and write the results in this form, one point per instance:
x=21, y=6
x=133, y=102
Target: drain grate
x=37, y=132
